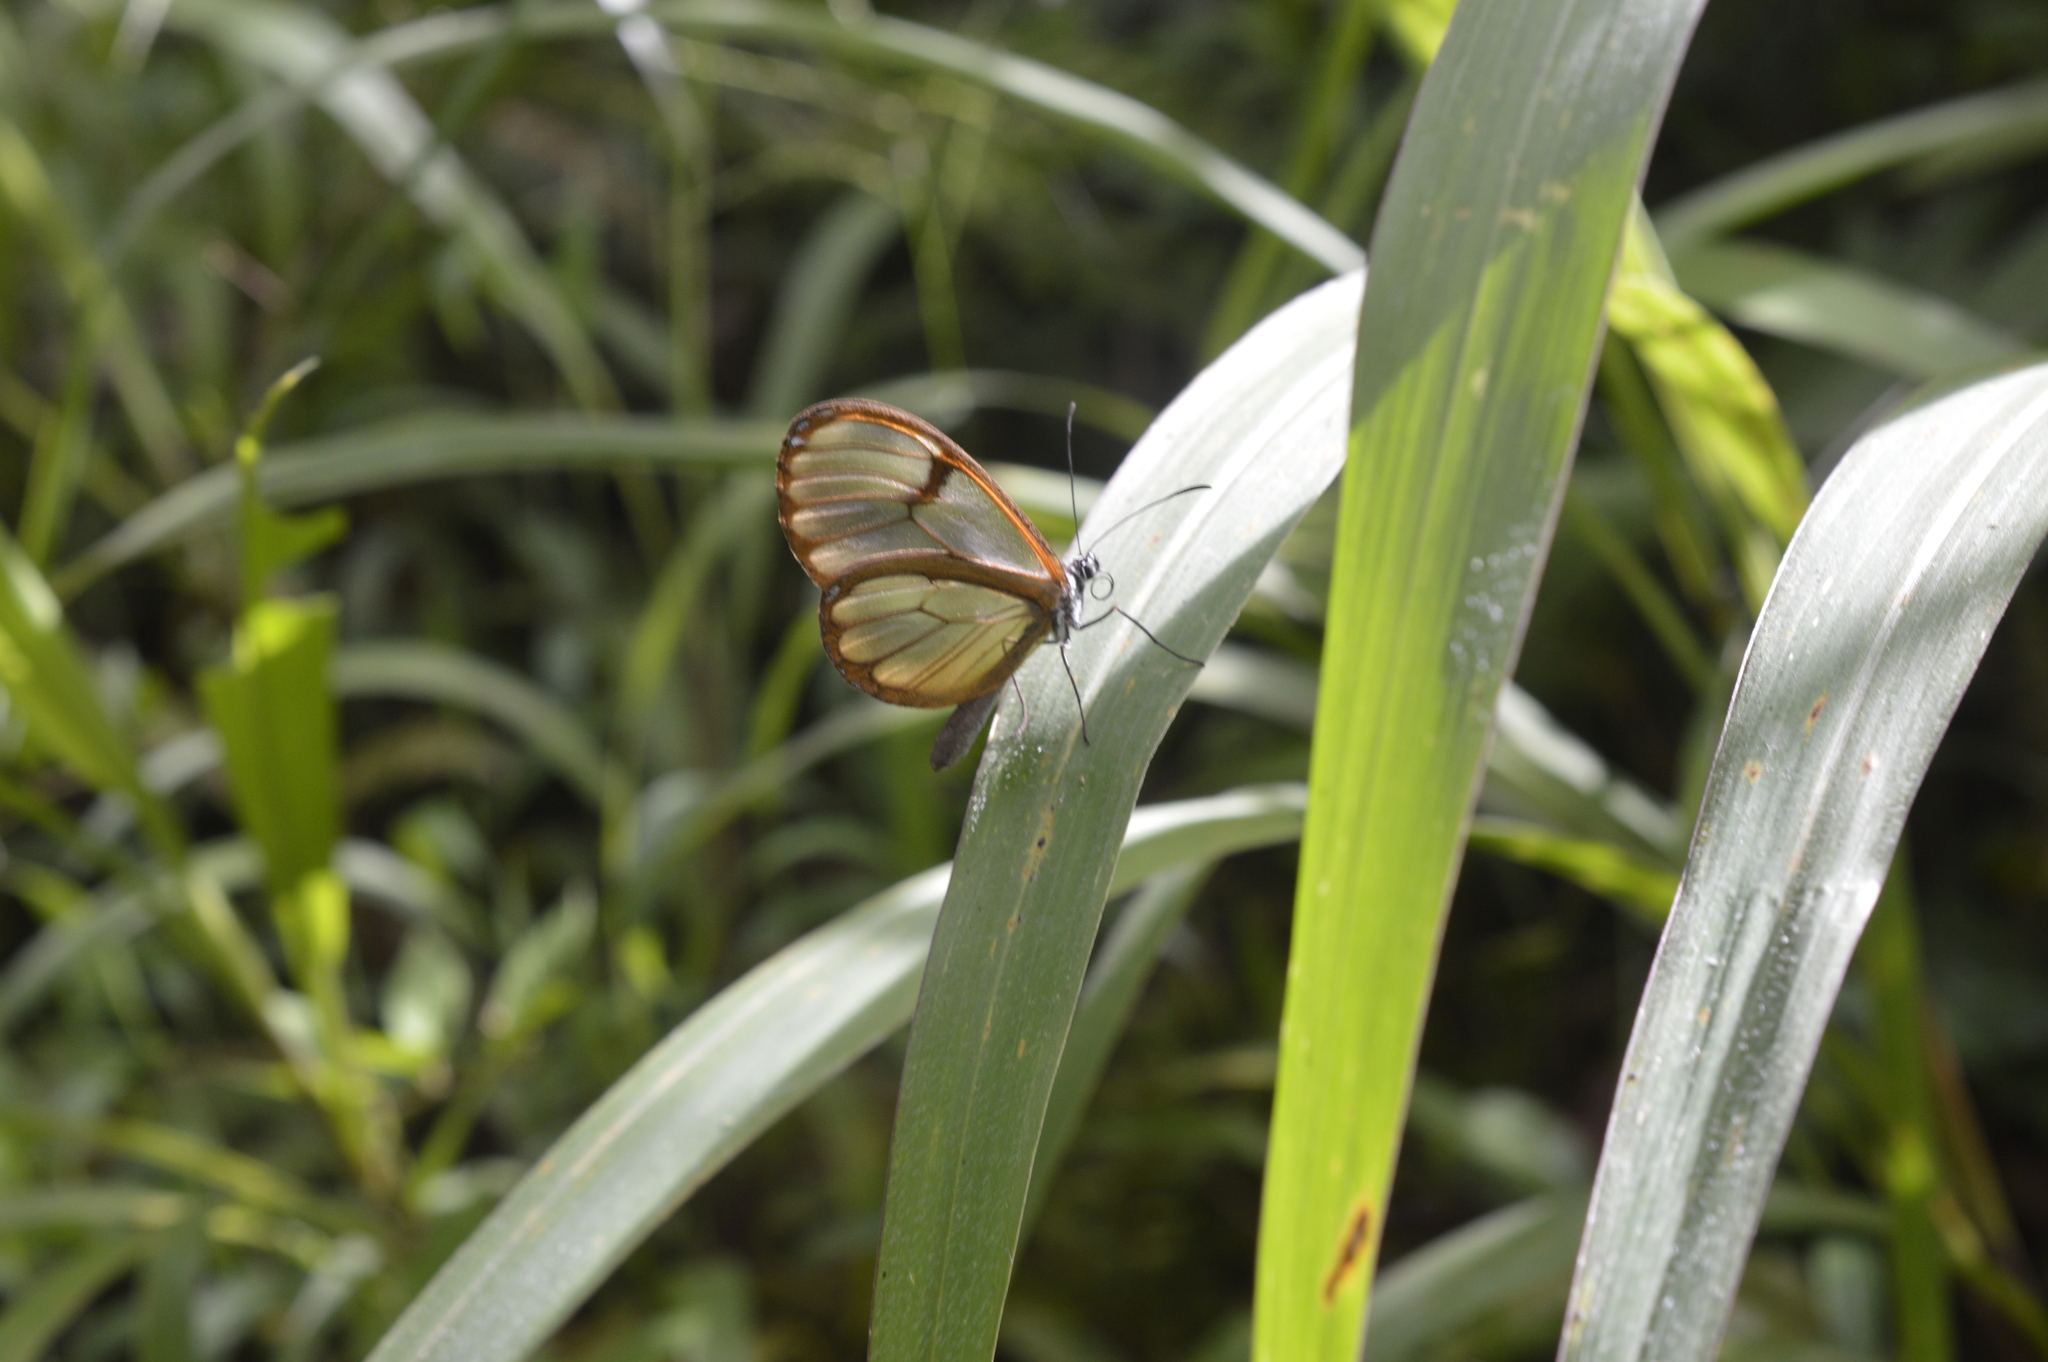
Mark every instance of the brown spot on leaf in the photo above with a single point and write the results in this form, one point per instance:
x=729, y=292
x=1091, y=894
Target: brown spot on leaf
x=1350, y=1251
x=1036, y=856
x=1813, y=715
x=1752, y=771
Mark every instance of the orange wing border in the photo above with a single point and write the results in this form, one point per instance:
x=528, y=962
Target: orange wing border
x=948, y=459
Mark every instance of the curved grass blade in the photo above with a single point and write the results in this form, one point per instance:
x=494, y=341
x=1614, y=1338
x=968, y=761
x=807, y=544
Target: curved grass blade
x=1135, y=127
x=1116, y=977
x=302, y=45
x=1518, y=1256
x=1875, y=624
x=1262, y=427
x=1787, y=293
x=721, y=1078
x=1957, y=127
x=1138, y=129
x=1505, y=215
x=1536, y=768
x=412, y=451
x=815, y=301
x=439, y=674
x=49, y=684
x=39, y=1310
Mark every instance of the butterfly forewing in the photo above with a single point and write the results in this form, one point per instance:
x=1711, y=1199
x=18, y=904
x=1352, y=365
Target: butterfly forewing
x=936, y=586
x=862, y=484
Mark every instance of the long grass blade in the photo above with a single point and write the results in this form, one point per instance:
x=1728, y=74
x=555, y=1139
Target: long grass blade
x=1136, y=128
x=1874, y=625
x=1262, y=427
x=302, y=45
x=1840, y=308
x=728, y=1073
x=418, y=670
x=1505, y=212
x=1964, y=126
x=404, y=453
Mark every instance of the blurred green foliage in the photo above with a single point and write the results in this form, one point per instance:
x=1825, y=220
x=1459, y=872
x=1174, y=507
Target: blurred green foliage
x=587, y=768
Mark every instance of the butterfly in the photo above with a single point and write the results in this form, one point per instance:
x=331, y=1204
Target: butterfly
x=936, y=587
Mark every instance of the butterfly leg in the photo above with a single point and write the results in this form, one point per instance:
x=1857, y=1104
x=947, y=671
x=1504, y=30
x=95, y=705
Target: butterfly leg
x=1023, y=720
x=1083, y=709
x=1119, y=610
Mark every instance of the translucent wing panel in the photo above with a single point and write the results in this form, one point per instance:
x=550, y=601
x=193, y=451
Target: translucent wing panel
x=856, y=490
x=918, y=640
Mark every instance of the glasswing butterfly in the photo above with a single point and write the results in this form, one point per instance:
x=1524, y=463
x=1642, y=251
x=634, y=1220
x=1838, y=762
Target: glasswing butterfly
x=936, y=587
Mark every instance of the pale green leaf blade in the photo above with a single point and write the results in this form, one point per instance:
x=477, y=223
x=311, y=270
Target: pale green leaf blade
x=1505, y=215
x=1883, y=605
x=1516, y=1259
x=1262, y=429
x=404, y=453
x=725, y=1075
x=1840, y=308
x=434, y=672
x=1957, y=127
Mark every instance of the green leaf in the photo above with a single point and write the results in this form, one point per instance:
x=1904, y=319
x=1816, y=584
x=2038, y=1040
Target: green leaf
x=1492, y=258
x=742, y=506
x=39, y=1310
x=1136, y=128
x=1851, y=312
x=1964, y=127
x=300, y=44
x=1874, y=625
x=815, y=301
x=424, y=449
x=163, y=1321
x=530, y=988
x=274, y=710
x=272, y=542
x=50, y=685
x=1262, y=427
x=1116, y=977
x=729, y=1072
x=1517, y=1260
x=1536, y=768
x=1641, y=887
x=438, y=674
x=1721, y=412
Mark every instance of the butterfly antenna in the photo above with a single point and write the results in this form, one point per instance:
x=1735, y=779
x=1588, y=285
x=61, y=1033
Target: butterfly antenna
x=1154, y=637
x=1073, y=497
x=1121, y=521
x=1081, y=708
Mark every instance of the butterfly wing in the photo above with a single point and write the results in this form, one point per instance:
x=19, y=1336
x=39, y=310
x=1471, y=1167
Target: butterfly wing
x=913, y=638
x=936, y=586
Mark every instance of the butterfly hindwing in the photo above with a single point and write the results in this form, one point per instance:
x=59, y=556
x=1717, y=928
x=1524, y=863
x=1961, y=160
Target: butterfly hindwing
x=915, y=639
x=936, y=586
